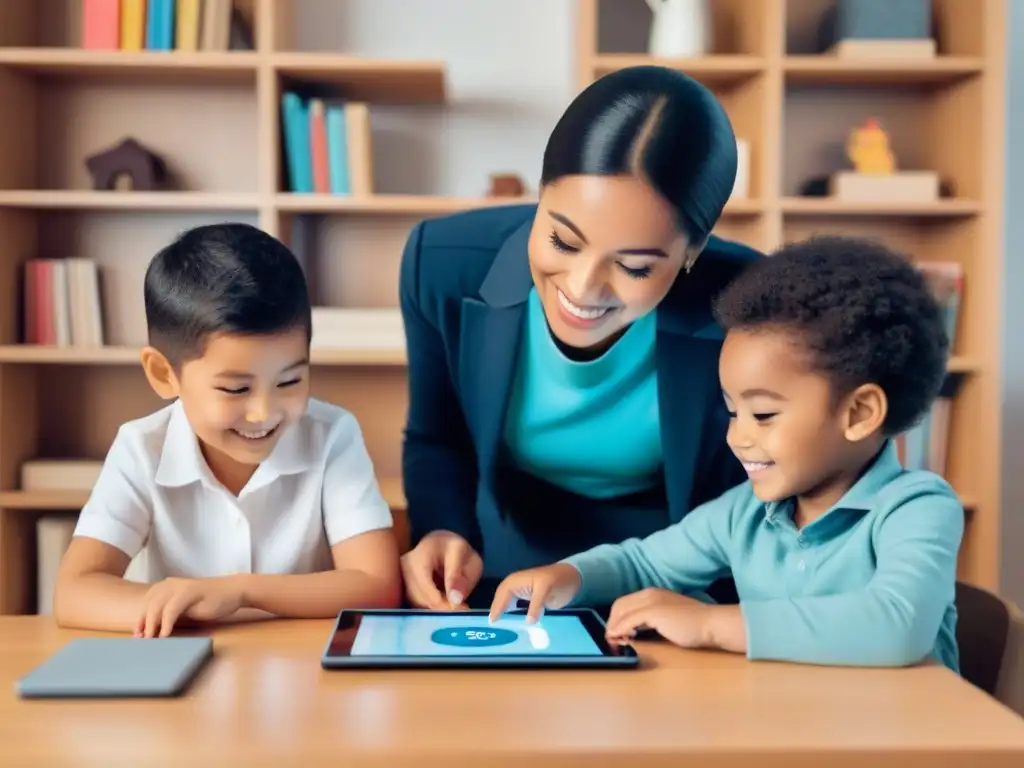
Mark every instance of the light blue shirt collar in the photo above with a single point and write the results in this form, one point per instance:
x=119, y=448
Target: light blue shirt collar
x=861, y=496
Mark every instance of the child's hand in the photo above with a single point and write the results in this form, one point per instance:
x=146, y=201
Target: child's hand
x=679, y=619
x=552, y=586
x=170, y=600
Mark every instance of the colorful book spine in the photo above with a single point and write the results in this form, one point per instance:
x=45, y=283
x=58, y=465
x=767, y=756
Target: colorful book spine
x=318, y=146
x=133, y=25
x=101, y=24
x=160, y=25
x=337, y=150
x=216, y=26
x=295, y=118
x=62, y=303
x=186, y=33
x=327, y=147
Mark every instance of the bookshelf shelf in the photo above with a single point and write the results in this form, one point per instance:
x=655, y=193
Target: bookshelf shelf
x=809, y=206
x=718, y=70
x=411, y=205
x=828, y=70
x=84, y=200
x=796, y=107
x=375, y=80
x=427, y=205
x=217, y=116
x=150, y=67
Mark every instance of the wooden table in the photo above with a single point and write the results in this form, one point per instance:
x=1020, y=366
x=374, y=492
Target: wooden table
x=264, y=701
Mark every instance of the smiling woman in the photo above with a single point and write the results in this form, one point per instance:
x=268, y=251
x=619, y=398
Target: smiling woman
x=563, y=357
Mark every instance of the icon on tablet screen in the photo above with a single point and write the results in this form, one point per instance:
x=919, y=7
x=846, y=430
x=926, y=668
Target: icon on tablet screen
x=474, y=637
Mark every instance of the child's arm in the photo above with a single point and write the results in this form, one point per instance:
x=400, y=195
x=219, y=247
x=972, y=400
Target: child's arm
x=91, y=592
x=893, y=621
x=685, y=557
x=366, y=575
x=112, y=527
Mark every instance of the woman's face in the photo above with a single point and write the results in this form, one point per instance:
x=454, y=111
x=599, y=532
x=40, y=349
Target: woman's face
x=604, y=251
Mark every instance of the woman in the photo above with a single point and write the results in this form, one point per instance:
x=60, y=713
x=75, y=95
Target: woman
x=563, y=360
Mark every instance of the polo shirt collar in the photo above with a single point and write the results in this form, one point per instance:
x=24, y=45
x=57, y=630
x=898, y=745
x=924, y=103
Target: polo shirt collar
x=861, y=495
x=182, y=461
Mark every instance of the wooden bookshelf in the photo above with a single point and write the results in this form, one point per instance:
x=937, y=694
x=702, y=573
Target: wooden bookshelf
x=216, y=117
x=796, y=107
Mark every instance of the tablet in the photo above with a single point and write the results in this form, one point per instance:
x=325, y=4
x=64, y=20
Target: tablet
x=419, y=638
x=104, y=667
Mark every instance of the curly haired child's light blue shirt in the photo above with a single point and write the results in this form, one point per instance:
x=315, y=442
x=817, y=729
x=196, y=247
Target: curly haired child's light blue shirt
x=870, y=583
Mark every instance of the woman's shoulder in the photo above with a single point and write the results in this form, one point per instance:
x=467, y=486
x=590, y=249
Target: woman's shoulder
x=453, y=254
x=719, y=264
x=726, y=258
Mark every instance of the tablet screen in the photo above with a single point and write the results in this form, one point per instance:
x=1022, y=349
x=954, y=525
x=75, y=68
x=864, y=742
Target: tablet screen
x=469, y=635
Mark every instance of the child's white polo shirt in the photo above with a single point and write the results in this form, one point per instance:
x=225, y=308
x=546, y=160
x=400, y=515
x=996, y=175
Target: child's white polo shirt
x=155, y=490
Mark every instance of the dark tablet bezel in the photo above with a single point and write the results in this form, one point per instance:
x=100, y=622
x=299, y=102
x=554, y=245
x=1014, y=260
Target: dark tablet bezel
x=337, y=651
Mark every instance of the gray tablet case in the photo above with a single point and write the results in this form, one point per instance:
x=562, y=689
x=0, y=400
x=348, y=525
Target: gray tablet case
x=98, y=667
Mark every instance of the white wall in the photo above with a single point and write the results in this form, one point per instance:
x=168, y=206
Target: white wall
x=511, y=72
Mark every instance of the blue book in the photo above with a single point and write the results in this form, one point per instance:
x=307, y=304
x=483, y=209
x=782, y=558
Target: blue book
x=295, y=117
x=337, y=150
x=160, y=25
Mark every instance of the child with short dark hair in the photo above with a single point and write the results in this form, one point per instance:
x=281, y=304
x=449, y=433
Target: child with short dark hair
x=247, y=496
x=841, y=556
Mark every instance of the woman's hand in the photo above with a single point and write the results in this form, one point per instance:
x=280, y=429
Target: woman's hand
x=442, y=560
x=552, y=586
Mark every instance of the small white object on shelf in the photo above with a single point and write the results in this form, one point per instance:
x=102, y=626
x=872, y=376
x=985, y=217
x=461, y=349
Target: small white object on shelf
x=741, y=187
x=681, y=29
x=369, y=328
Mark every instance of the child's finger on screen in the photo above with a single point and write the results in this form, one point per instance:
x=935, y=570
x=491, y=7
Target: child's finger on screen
x=538, y=600
x=503, y=596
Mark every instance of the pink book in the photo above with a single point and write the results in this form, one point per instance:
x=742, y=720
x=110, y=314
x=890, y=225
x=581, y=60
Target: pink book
x=31, y=302
x=101, y=24
x=318, y=146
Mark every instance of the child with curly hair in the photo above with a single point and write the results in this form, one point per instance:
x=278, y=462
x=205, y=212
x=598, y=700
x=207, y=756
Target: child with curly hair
x=834, y=346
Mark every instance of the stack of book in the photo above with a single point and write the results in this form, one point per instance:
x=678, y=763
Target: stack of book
x=328, y=146
x=62, y=305
x=163, y=25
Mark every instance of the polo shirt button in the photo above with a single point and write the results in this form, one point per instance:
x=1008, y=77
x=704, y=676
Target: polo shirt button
x=800, y=566
x=801, y=542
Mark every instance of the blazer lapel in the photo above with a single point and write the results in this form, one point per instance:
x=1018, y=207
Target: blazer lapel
x=492, y=326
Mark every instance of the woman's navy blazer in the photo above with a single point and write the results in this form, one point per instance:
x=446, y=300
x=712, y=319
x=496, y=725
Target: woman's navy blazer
x=464, y=283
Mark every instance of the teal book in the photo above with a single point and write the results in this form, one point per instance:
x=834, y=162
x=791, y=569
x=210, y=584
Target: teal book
x=337, y=150
x=160, y=25
x=295, y=119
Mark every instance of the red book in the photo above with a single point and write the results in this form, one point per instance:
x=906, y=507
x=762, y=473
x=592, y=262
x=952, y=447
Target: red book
x=101, y=24
x=318, y=146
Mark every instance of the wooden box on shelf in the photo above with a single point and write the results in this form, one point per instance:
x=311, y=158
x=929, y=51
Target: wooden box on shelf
x=875, y=177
